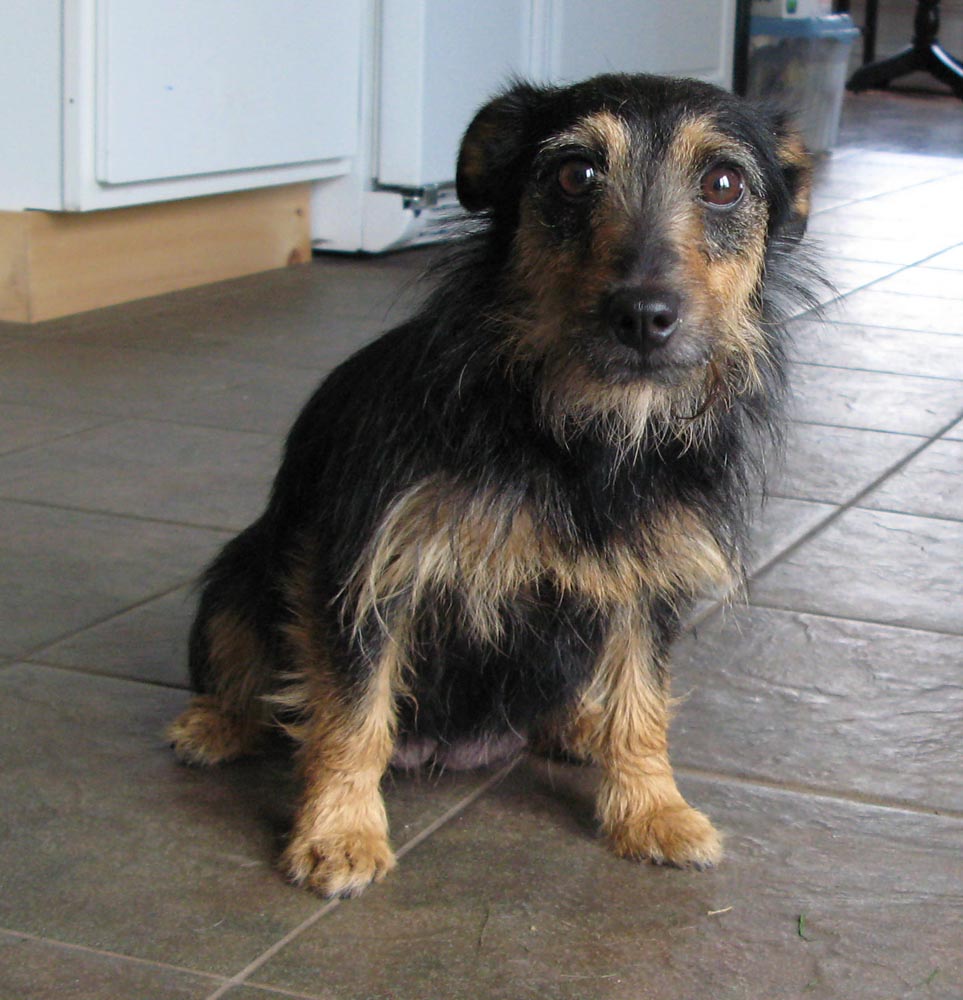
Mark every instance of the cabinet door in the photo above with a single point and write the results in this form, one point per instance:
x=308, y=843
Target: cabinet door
x=194, y=87
x=694, y=38
x=440, y=59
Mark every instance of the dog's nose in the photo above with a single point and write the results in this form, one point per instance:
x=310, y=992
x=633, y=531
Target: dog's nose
x=643, y=318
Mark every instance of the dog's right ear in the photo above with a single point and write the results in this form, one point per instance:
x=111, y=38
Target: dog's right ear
x=493, y=148
x=797, y=170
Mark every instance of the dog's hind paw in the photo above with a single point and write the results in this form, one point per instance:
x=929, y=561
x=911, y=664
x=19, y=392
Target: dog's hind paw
x=338, y=864
x=674, y=835
x=205, y=734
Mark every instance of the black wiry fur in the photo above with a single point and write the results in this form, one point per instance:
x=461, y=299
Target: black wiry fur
x=447, y=398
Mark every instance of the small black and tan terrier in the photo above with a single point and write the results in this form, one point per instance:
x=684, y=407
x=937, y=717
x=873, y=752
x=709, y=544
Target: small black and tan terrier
x=487, y=522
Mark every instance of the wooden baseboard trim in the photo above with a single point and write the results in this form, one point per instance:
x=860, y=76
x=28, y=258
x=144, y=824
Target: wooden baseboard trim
x=56, y=263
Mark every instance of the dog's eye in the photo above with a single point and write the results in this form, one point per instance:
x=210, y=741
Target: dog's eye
x=722, y=186
x=576, y=177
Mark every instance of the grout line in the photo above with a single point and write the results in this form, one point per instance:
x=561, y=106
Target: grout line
x=831, y=616
x=912, y=513
x=766, y=606
x=103, y=421
x=949, y=518
x=280, y=991
x=848, y=203
x=103, y=953
x=818, y=791
x=854, y=500
x=241, y=977
x=847, y=427
x=100, y=512
x=883, y=371
x=37, y=651
x=98, y=424
x=37, y=661
x=865, y=427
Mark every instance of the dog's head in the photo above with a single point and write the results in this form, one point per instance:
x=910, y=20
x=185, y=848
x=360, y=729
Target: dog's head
x=640, y=215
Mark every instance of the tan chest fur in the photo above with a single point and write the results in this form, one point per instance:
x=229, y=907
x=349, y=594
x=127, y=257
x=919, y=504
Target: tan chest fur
x=434, y=539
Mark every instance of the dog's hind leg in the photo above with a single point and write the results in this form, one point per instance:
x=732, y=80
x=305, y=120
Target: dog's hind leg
x=231, y=662
x=623, y=723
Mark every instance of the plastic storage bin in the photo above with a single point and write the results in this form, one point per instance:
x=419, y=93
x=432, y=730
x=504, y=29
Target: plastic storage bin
x=799, y=64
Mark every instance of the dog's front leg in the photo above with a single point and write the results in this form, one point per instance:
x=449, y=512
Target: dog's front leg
x=339, y=843
x=623, y=723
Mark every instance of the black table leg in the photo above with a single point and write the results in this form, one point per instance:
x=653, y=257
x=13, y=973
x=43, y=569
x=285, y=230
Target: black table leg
x=925, y=54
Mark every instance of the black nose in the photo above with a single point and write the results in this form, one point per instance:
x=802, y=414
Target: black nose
x=643, y=318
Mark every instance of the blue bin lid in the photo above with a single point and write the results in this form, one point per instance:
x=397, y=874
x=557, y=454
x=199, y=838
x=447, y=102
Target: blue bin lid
x=837, y=26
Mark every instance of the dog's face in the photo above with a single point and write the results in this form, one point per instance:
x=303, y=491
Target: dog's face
x=640, y=214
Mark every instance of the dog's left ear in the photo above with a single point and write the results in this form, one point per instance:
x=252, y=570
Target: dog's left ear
x=493, y=148
x=797, y=170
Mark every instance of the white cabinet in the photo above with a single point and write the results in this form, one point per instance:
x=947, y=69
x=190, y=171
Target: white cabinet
x=429, y=64
x=118, y=102
x=110, y=103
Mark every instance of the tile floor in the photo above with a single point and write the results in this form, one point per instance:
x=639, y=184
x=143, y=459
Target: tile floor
x=821, y=727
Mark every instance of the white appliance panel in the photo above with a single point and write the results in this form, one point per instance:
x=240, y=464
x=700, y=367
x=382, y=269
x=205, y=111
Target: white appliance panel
x=440, y=59
x=202, y=86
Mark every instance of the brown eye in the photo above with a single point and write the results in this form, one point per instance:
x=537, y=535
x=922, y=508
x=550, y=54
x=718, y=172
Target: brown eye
x=722, y=186
x=576, y=177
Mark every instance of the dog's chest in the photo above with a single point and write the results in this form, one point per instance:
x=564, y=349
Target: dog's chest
x=435, y=540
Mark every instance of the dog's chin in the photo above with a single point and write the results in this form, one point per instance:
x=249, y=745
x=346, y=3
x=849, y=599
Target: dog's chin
x=670, y=367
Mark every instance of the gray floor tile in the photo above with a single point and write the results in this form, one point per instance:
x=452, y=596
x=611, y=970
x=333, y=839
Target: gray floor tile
x=820, y=203
x=783, y=521
x=880, y=219
x=878, y=401
x=876, y=566
x=542, y=909
x=11, y=334
x=929, y=281
x=936, y=202
x=66, y=570
x=855, y=177
x=929, y=485
x=25, y=426
x=848, y=275
x=293, y=298
x=887, y=251
x=172, y=472
x=141, y=855
x=39, y=970
x=890, y=120
x=877, y=348
x=263, y=993
x=871, y=307
x=313, y=315
x=832, y=464
x=823, y=702
x=951, y=259
x=267, y=404
x=148, y=643
x=955, y=433
x=117, y=381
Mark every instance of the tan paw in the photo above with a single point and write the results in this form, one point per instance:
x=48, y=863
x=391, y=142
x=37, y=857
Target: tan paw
x=338, y=864
x=205, y=734
x=675, y=835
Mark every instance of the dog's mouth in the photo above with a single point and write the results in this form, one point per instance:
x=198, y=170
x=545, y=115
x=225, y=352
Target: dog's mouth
x=678, y=361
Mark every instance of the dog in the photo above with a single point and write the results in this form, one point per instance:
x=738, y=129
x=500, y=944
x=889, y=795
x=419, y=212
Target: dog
x=488, y=522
